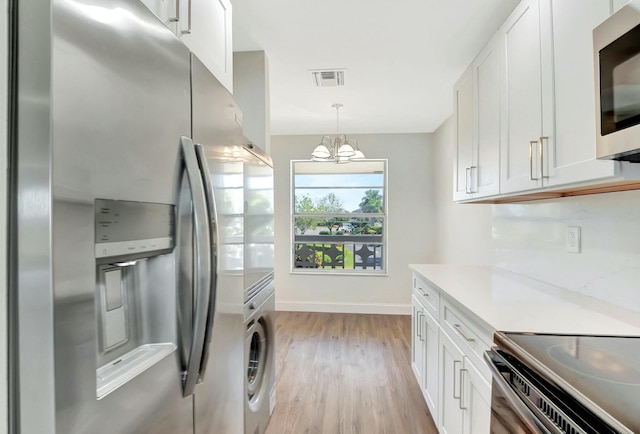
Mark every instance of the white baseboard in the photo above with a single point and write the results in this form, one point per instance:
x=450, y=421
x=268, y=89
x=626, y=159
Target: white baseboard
x=379, y=308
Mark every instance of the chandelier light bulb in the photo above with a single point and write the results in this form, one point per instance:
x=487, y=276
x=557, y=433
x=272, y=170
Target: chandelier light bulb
x=341, y=150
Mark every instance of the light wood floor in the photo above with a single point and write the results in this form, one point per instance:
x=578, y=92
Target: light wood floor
x=346, y=374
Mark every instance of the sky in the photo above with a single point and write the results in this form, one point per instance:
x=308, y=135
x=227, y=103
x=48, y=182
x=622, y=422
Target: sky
x=321, y=185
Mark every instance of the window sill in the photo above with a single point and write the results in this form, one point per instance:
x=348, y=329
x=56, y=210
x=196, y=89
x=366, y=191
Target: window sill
x=360, y=273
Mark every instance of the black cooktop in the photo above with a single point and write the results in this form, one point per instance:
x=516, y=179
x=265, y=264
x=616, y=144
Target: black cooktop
x=604, y=370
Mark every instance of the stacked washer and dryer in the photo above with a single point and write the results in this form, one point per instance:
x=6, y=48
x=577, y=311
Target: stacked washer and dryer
x=259, y=291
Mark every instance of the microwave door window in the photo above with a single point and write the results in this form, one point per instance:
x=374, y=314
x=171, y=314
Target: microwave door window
x=620, y=83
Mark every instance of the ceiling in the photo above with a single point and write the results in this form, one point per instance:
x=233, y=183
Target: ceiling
x=401, y=59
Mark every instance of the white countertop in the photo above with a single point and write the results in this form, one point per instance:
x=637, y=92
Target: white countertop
x=508, y=301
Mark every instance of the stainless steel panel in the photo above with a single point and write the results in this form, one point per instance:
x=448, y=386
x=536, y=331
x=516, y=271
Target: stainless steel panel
x=30, y=274
x=219, y=399
x=259, y=223
x=104, y=98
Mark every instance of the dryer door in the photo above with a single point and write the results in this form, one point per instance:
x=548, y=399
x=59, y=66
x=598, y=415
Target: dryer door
x=257, y=348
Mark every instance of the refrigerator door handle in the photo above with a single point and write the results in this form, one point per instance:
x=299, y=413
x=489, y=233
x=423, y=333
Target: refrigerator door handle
x=211, y=202
x=202, y=265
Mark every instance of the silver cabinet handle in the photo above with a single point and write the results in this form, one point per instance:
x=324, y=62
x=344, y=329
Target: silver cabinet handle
x=455, y=362
x=421, y=291
x=467, y=179
x=177, y=17
x=542, y=139
x=186, y=32
x=459, y=329
x=213, y=247
x=202, y=266
x=462, y=407
x=531, y=178
x=471, y=189
x=420, y=314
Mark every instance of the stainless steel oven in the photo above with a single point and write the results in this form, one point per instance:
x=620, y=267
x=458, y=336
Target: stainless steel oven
x=557, y=384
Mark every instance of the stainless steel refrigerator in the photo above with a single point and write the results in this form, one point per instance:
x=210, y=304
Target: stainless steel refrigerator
x=125, y=302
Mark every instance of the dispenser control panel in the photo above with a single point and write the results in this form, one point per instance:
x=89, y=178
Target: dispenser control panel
x=133, y=228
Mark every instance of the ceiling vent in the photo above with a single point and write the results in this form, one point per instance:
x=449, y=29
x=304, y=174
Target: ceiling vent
x=327, y=78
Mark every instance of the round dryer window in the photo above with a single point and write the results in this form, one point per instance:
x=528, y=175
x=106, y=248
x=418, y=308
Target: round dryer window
x=256, y=360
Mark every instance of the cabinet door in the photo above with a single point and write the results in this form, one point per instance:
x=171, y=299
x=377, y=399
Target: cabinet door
x=485, y=171
x=463, y=110
x=573, y=159
x=168, y=11
x=476, y=400
x=431, y=367
x=451, y=364
x=207, y=32
x=417, y=340
x=526, y=97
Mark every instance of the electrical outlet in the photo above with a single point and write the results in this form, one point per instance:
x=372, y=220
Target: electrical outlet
x=573, y=239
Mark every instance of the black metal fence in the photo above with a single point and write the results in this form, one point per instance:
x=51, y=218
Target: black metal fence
x=357, y=252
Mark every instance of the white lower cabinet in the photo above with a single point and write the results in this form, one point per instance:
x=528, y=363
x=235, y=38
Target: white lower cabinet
x=447, y=348
x=451, y=363
x=431, y=377
x=476, y=400
x=417, y=341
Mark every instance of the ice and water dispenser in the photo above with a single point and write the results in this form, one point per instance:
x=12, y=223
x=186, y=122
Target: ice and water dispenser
x=135, y=289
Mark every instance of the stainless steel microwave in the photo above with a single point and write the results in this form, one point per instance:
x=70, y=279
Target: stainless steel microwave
x=616, y=48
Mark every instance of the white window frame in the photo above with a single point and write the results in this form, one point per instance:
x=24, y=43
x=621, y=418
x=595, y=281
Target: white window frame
x=345, y=169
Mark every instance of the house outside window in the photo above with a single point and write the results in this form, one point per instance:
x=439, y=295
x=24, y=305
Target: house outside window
x=339, y=217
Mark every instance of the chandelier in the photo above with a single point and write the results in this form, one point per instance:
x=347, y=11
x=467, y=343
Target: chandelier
x=341, y=150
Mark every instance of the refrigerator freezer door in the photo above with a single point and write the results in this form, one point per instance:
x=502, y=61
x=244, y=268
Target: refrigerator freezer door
x=103, y=99
x=219, y=401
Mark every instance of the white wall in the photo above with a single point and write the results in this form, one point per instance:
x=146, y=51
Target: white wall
x=529, y=238
x=410, y=228
x=3, y=216
x=463, y=234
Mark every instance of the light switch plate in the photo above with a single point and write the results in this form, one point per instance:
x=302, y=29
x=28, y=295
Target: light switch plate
x=573, y=239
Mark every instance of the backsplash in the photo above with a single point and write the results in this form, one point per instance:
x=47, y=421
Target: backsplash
x=529, y=238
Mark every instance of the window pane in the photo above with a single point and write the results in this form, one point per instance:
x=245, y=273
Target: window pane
x=332, y=232
x=365, y=180
x=338, y=200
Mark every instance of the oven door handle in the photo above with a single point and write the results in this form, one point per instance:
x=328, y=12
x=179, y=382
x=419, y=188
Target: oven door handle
x=526, y=416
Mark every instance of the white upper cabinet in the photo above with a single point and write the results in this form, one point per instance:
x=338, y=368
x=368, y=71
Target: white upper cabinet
x=463, y=110
x=485, y=173
x=477, y=111
x=573, y=159
x=526, y=98
x=205, y=27
x=210, y=37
